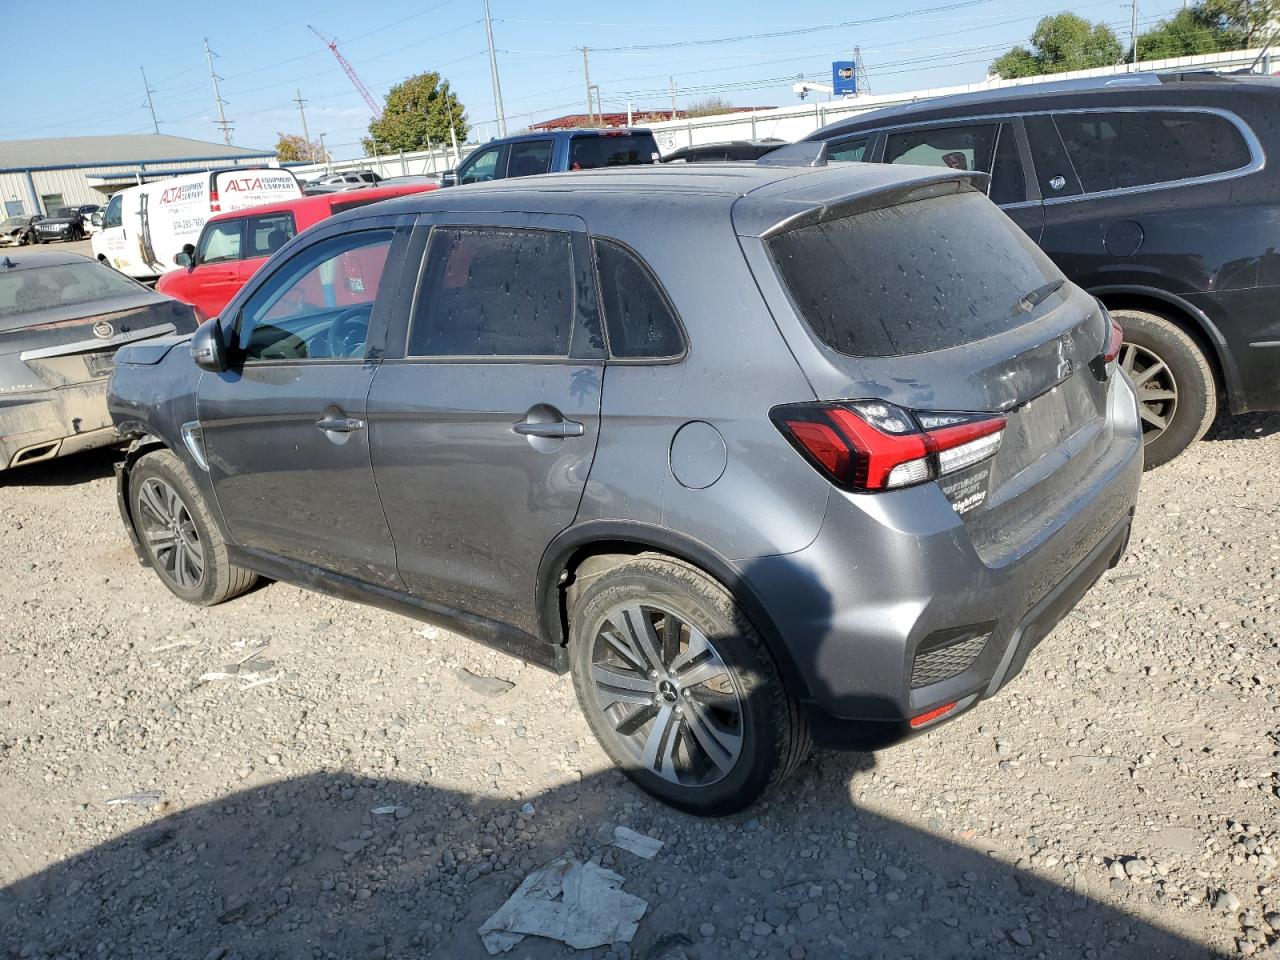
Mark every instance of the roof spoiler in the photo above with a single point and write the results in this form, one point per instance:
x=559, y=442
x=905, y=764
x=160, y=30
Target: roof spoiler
x=804, y=154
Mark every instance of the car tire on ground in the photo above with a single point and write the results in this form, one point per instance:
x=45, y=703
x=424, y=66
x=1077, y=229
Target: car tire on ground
x=179, y=536
x=679, y=687
x=1177, y=392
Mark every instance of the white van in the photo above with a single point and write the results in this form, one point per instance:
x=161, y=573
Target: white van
x=145, y=227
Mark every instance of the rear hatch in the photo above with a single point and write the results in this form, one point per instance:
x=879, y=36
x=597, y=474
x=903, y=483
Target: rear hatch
x=940, y=305
x=60, y=325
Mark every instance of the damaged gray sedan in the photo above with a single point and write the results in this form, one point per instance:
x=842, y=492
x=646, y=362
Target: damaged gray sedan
x=62, y=318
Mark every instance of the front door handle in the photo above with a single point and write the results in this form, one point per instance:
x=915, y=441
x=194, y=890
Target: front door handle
x=339, y=424
x=556, y=430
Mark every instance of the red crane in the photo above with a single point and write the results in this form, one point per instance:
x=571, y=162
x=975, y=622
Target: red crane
x=351, y=72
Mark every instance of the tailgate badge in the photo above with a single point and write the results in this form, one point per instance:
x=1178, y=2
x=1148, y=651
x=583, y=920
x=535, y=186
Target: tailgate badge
x=103, y=330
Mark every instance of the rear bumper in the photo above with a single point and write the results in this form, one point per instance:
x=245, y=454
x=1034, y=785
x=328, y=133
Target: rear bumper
x=50, y=423
x=892, y=577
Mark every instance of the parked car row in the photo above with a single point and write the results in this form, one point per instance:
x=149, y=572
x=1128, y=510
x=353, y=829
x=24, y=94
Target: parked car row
x=828, y=469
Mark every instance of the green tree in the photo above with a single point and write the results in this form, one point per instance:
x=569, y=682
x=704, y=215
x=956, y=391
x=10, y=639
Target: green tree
x=291, y=147
x=421, y=107
x=1060, y=43
x=1254, y=21
x=709, y=107
x=1190, y=31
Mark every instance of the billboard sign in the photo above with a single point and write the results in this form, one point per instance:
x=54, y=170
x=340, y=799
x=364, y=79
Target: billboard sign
x=844, y=78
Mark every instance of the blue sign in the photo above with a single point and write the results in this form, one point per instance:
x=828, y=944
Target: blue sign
x=844, y=78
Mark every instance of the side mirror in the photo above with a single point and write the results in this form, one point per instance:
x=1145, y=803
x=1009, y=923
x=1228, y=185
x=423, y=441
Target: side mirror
x=182, y=259
x=449, y=178
x=207, y=347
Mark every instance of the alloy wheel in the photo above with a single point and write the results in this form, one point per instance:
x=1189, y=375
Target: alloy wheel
x=1157, y=390
x=170, y=533
x=665, y=690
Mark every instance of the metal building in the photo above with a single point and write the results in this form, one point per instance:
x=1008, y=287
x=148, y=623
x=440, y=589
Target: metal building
x=38, y=176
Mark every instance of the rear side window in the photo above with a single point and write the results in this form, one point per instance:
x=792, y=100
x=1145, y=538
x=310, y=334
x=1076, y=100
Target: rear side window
x=269, y=232
x=639, y=319
x=912, y=278
x=529, y=158
x=1112, y=151
x=960, y=148
x=494, y=292
x=607, y=150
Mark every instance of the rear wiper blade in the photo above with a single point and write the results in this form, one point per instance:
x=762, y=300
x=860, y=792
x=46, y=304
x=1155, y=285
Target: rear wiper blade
x=1040, y=294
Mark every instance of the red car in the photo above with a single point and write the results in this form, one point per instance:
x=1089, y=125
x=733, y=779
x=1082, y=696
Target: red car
x=233, y=245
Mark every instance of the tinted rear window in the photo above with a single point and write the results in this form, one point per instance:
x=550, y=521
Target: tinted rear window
x=1115, y=150
x=587, y=153
x=917, y=277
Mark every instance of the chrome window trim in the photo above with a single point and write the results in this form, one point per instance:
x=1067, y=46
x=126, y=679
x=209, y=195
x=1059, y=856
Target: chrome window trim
x=1258, y=159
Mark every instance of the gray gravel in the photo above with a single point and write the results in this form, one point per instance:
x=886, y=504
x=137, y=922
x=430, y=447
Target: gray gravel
x=1119, y=799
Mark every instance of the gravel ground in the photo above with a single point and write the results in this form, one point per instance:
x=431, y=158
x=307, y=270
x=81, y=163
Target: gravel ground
x=1119, y=799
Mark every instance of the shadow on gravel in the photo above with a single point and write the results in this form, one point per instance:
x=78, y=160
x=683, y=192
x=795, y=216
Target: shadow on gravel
x=257, y=874
x=64, y=471
x=1247, y=426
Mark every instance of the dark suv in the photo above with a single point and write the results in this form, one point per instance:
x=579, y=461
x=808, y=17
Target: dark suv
x=1153, y=192
x=554, y=151
x=832, y=464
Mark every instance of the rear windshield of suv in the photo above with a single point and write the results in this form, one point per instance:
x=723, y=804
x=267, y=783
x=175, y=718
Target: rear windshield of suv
x=609, y=150
x=916, y=277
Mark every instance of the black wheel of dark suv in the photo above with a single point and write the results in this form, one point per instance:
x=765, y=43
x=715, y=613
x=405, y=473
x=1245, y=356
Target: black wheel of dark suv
x=178, y=534
x=1177, y=393
x=679, y=688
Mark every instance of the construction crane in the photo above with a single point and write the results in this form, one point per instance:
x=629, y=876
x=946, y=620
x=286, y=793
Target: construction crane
x=351, y=72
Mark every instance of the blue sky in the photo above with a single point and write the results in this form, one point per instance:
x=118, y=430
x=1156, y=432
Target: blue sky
x=265, y=52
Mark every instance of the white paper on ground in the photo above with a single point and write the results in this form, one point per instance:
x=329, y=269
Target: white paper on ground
x=579, y=904
x=637, y=843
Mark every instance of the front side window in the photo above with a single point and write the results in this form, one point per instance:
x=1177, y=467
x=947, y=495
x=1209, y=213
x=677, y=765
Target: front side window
x=220, y=242
x=494, y=292
x=112, y=217
x=640, y=321
x=915, y=277
x=960, y=148
x=529, y=158
x=317, y=305
x=483, y=167
x=851, y=151
x=269, y=232
x=1111, y=151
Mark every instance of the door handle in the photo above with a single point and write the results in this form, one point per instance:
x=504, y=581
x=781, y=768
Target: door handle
x=556, y=430
x=339, y=424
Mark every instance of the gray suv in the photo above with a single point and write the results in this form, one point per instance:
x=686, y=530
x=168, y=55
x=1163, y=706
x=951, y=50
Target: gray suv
x=761, y=454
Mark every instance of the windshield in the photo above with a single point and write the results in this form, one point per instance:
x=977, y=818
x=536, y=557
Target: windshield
x=61, y=285
x=66, y=212
x=612, y=150
x=916, y=277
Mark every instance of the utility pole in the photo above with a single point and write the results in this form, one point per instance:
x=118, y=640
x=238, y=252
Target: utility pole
x=324, y=152
x=150, y=105
x=1133, y=36
x=586, y=76
x=673, y=98
x=306, y=136
x=493, y=72
x=222, y=120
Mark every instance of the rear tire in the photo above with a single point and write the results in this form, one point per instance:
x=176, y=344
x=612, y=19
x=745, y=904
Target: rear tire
x=1177, y=392
x=700, y=717
x=178, y=534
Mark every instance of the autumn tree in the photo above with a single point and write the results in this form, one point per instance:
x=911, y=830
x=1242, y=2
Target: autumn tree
x=420, y=108
x=709, y=107
x=292, y=147
x=1060, y=43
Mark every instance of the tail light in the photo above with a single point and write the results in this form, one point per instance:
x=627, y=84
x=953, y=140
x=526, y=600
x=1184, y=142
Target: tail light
x=1115, y=340
x=872, y=445
x=214, y=205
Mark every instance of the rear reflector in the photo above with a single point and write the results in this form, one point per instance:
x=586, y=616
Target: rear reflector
x=872, y=445
x=932, y=715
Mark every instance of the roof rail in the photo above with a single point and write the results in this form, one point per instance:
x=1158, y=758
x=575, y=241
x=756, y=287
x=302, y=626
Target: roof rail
x=805, y=154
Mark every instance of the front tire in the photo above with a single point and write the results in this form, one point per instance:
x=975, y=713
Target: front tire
x=1176, y=389
x=679, y=688
x=178, y=534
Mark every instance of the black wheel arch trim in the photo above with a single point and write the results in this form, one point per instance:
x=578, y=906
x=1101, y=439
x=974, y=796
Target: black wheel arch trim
x=141, y=446
x=561, y=550
x=1222, y=354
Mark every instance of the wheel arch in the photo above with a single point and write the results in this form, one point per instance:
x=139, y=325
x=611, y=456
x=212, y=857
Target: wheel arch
x=591, y=548
x=144, y=444
x=1189, y=319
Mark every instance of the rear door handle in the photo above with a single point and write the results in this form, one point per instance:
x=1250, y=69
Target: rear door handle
x=558, y=429
x=340, y=424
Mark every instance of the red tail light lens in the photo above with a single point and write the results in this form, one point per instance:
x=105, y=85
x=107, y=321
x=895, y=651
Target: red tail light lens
x=214, y=205
x=872, y=445
x=1114, y=341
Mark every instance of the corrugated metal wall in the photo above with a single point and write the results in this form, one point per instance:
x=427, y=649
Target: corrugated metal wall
x=79, y=186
